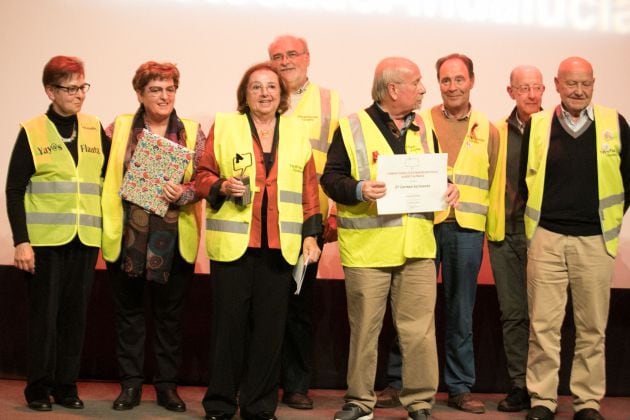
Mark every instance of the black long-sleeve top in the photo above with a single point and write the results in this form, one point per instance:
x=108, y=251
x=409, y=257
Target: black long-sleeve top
x=22, y=168
x=337, y=180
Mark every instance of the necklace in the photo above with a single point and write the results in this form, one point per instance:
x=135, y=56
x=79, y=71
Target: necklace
x=72, y=137
x=265, y=132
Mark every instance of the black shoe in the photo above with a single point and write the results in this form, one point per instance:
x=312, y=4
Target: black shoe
x=169, y=399
x=218, y=415
x=128, y=398
x=516, y=400
x=351, y=411
x=40, y=405
x=588, y=414
x=69, y=402
x=540, y=412
x=423, y=414
x=297, y=400
x=259, y=416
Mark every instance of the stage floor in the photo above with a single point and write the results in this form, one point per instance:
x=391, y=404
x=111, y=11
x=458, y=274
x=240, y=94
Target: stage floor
x=98, y=397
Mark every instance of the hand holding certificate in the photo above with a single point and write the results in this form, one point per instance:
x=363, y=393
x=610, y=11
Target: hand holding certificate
x=415, y=183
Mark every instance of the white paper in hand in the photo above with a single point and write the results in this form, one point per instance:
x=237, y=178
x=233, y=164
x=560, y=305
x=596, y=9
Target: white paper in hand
x=299, y=271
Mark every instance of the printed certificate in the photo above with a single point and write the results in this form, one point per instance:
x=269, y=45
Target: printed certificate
x=415, y=183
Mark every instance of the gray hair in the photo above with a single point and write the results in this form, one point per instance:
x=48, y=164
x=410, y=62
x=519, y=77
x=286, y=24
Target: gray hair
x=388, y=70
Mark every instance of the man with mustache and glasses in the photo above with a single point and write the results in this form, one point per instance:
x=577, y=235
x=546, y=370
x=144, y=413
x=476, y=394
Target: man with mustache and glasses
x=576, y=182
x=319, y=109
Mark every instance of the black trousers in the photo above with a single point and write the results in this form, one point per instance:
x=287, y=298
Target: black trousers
x=249, y=306
x=298, y=337
x=167, y=304
x=58, y=296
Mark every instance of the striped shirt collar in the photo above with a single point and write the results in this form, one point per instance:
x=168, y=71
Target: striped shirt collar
x=448, y=115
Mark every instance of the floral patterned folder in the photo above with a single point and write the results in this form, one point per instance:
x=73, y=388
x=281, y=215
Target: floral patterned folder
x=155, y=161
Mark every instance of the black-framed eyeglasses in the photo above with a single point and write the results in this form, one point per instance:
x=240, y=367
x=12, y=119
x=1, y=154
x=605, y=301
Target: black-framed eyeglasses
x=72, y=90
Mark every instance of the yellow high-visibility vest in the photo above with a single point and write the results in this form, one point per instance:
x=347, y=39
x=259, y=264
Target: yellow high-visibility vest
x=63, y=199
x=609, y=181
x=228, y=228
x=319, y=110
x=495, y=223
x=470, y=174
x=365, y=238
x=189, y=220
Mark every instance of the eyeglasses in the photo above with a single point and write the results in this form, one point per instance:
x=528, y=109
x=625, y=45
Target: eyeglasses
x=72, y=90
x=259, y=87
x=157, y=90
x=290, y=55
x=524, y=89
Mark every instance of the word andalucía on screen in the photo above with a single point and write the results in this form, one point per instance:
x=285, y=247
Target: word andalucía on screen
x=609, y=16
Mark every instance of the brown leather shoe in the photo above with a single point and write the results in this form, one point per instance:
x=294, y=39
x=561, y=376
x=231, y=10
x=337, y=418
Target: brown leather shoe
x=297, y=400
x=467, y=403
x=388, y=398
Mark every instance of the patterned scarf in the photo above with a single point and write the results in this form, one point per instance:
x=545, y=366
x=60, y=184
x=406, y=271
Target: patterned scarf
x=149, y=241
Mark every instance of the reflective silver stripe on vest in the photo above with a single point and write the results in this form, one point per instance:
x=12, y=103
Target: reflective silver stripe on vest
x=321, y=143
x=472, y=181
x=62, y=219
x=291, y=227
x=473, y=208
x=90, y=188
x=532, y=213
x=375, y=222
x=610, y=201
x=290, y=197
x=51, y=219
x=424, y=216
x=62, y=187
x=423, y=133
x=227, y=226
x=89, y=220
x=611, y=234
x=363, y=166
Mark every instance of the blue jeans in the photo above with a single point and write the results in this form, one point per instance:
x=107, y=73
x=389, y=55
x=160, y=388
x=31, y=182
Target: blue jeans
x=459, y=252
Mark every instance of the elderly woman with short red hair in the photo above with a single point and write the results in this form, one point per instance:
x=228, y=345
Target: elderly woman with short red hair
x=148, y=255
x=53, y=202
